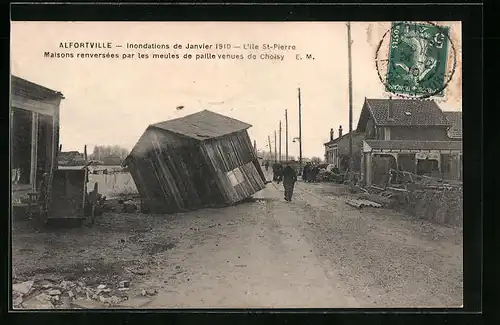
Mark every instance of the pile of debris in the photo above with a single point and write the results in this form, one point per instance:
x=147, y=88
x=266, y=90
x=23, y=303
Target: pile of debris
x=425, y=197
x=123, y=205
x=360, y=197
x=49, y=294
x=362, y=203
x=329, y=176
x=441, y=205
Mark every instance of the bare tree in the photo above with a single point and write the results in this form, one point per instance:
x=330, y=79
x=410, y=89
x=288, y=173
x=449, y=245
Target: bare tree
x=316, y=160
x=109, y=154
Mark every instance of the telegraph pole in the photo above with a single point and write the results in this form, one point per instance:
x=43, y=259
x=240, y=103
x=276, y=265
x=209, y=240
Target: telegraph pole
x=255, y=147
x=349, y=42
x=280, y=142
x=300, y=134
x=275, y=151
x=286, y=135
x=270, y=151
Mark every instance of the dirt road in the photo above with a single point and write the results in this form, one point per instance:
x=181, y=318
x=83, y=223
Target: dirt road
x=315, y=251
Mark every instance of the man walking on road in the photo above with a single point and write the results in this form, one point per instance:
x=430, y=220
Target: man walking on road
x=278, y=172
x=289, y=179
x=305, y=172
x=275, y=172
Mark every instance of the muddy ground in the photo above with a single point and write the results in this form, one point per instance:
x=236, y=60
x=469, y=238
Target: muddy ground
x=315, y=251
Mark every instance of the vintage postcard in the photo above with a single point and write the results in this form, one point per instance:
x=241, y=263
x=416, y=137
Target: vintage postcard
x=236, y=164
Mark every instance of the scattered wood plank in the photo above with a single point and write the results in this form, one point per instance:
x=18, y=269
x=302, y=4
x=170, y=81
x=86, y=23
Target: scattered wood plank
x=362, y=203
x=353, y=203
x=442, y=187
x=396, y=189
x=362, y=189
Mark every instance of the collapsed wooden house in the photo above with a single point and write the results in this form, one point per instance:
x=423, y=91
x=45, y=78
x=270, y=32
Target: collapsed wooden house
x=200, y=160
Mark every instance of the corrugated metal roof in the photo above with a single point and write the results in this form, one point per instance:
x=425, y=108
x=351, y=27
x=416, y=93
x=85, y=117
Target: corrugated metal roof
x=407, y=112
x=455, y=119
x=414, y=145
x=203, y=125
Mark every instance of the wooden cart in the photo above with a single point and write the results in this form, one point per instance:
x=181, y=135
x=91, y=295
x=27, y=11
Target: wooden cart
x=69, y=188
x=65, y=196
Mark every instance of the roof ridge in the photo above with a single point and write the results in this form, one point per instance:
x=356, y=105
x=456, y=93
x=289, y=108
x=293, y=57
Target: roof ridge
x=195, y=113
x=203, y=124
x=370, y=109
x=32, y=83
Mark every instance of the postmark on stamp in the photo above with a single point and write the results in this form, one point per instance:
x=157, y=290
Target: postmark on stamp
x=419, y=61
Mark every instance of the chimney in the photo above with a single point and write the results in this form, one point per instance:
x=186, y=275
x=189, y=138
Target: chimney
x=340, y=131
x=389, y=109
x=331, y=134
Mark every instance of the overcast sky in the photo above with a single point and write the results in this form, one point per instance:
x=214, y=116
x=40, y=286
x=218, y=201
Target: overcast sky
x=112, y=101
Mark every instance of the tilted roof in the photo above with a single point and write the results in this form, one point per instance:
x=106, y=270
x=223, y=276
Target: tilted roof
x=25, y=88
x=455, y=119
x=406, y=112
x=203, y=125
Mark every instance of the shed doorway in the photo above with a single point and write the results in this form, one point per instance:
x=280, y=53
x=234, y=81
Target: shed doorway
x=24, y=172
x=21, y=146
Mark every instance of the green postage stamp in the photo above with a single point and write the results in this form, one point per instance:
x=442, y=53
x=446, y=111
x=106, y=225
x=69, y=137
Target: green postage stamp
x=417, y=62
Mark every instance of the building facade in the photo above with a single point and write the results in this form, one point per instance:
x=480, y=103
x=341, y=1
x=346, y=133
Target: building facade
x=71, y=158
x=337, y=149
x=408, y=135
x=455, y=130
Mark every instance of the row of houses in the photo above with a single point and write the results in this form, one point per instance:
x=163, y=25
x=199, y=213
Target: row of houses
x=75, y=158
x=404, y=134
x=71, y=158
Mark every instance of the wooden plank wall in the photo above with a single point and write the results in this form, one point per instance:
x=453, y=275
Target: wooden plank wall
x=229, y=153
x=173, y=173
x=158, y=173
x=166, y=169
x=169, y=168
x=252, y=184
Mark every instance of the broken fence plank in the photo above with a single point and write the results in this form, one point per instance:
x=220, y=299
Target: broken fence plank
x=353, y=203
x=362, y=189
x=396, y=189
x=362, y=203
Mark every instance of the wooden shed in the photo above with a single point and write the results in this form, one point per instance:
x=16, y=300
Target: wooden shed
x=200, y=160
x=34, y=117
